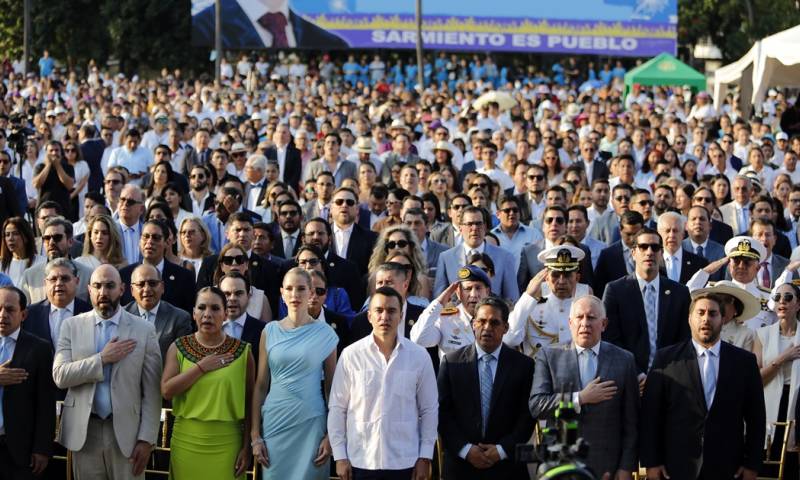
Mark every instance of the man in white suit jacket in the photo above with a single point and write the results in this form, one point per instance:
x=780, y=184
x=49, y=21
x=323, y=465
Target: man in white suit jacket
x=110, y=416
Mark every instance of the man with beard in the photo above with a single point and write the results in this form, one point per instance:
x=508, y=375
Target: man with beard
x=538, y=320
x=703, y=413
x=111, y=422
x=340, y=272
x=533, y=202
x=290, y=216
x=664, y=199
x=238, y=324
x=202, y=198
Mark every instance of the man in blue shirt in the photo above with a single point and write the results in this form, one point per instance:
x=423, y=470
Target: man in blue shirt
x=46, y=65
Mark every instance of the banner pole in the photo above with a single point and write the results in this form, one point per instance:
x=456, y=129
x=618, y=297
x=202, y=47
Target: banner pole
x=420, y=76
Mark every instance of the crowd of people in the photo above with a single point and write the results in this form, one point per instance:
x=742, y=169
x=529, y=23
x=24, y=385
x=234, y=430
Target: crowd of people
x=320, y=269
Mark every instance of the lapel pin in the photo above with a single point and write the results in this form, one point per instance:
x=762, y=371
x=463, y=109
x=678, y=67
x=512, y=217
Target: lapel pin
x=255, y=263
x=172, y=277
x=331, y=264
x=411, y=323
x=667, y=292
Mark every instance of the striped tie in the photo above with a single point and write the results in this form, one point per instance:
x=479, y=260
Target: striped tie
x=486, y=389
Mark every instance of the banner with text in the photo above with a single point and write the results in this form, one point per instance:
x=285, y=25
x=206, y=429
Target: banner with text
x=604, y=27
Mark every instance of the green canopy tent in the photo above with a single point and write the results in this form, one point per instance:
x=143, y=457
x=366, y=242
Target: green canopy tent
x=665, y=70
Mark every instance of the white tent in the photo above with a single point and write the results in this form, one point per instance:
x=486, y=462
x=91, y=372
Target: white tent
x=772, y=61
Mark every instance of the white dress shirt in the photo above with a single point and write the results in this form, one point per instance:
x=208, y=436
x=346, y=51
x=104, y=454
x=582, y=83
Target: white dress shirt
x=341, y=238
x=383, y=414
x=151, y=314
x=57, y=317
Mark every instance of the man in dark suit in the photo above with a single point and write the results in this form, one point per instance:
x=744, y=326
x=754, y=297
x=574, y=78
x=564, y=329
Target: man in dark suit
x=92, y=149
x=606, y=227
x=316, y=308
x=773, y=264
x=171, y=323
x=290, y=217
x=483, y=413
x=414, y=218
x=9, y=206
x=679, y=264
x=239, y=31
x=616, y=261
x=341, y=272
x=646, y=310
x=179, y=285
x=703, y=414
x=238, y=323
x=395, y=276
x=290, y=165
x=61, y=286
x=27, y=402
x=698, y=241
x=598, y=377
x=350, y=241
x=595, y=168
x=20, y=194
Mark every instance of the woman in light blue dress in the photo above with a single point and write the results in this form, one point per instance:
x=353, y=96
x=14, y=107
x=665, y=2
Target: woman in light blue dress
x=296, y=354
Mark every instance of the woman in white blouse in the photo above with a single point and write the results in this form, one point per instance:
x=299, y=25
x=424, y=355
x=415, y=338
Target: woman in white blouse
x=777, y=348
x=18, y=250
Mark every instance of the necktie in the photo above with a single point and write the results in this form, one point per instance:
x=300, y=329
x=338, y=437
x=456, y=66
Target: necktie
x=630, y=266
x=256, y=185
x=486, y=388
x=5, y=355
x=652, y=319
x=588, y=366
x=101, y=404
x=275, y=24
x=288, y=245
x=674, y=271
x=324, y=213
x=233, y=329
x=709, y=377
x=742, y=220
x=699, y=251
x=766, y=280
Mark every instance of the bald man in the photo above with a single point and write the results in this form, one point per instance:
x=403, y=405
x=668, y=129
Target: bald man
x=110, y=423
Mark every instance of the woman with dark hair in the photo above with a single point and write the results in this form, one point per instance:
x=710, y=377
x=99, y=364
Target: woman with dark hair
x=777, y=349
x=683, y=198
x=209, y=378
x=482, y=261
x=721, y=186
x=689, y=171
x=177, y=202
x=433, y=209
x=158, y=210
x=18, y=250
x=161, y=176
x=233, y=258
x=646, y=175
x=552, y=165
x=451, y=179
x=72, y=153
x=309, y=257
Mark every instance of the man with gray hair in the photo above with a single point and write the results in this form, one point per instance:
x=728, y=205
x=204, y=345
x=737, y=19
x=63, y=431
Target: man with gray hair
x=130, y=210
x=680, y=264
x=255, y=189
x=600, y=379
x=57, y=240
x=60, y=285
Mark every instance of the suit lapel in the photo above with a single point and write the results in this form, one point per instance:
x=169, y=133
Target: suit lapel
x=499, y=378
x=162, y=317
x=635, y=295
x=603, y=362
x=664, y=299
x=123, y=333
x=693, y=368
x=471, y=378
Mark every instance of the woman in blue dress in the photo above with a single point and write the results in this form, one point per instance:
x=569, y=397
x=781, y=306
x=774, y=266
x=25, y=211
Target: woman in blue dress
x=296, y=353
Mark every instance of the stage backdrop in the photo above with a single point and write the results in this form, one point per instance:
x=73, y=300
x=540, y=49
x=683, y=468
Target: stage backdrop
x=607, y=27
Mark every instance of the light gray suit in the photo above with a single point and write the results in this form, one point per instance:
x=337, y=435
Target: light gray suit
x=135, y=382
x=346, y=169
x=171, y=323
x=32, y=282
x=595, y=247
x=443, y=233
x=730, y=217
x=504, y=282
x=529, y=265
x=606, y=227
x=432, y=252
x=609, y=427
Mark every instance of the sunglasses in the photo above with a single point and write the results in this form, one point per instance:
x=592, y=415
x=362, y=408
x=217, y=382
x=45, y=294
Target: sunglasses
x=341, y=201
x=479, y=185
x=234, y=260
x=510, y=210
x=536, y=177
x=288, y=213
x=129, y=202
x=319, y=291
x=152, y=236
x=56, y=237
x=645, y=203
x=558, y=220
x=786, y=297
x=656, y=247
x=391, y=245
x=459, y=206
x=703, y=199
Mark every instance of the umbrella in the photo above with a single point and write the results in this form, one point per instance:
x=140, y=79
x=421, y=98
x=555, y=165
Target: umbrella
x=503, y=99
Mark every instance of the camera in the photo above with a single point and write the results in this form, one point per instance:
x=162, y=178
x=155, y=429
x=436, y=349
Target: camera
x=561, y=452
x=18, y=125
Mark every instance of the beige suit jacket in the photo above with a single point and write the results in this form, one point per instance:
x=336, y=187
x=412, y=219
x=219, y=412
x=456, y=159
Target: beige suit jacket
x=135, y=381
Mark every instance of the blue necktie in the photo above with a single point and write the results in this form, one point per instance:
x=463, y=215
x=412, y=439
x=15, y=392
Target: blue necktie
x=486, y=388
x=674, y=271
x=588, y=366
x=699, y=251
x=233, y=329
x=709, y=377
x=5, y=355
x=101, y=405
x=652, y=319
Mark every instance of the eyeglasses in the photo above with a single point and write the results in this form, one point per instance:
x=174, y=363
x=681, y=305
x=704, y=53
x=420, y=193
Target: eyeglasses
x=391, y=245
x=645, y=203
x=472, y=224
x=439, y=180
x=289, y=213
x=538, y=178
x=786, y=297
x=59, y=278
x=655, y=247
x=129, y=202
x=558, y=220
x=156, y=237
x=319, y=291
x=234, y=260
x=69, y=150
x=510, y=210
x=148, y=283
x=311, y=262
x=459, y=206
x=199, y=175
x=622, y=198
x=341, y=201
x=57, y=237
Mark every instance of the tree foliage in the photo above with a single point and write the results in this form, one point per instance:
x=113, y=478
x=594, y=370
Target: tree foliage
x=733, y=25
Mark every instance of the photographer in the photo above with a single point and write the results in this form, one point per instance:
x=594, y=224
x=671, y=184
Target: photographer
x=54, y=178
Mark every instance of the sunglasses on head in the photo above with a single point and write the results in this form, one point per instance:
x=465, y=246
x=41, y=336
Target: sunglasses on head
x=234, y=260
x=391, y=245
x=341, y=201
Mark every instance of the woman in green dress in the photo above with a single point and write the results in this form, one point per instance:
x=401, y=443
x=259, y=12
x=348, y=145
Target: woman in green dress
x=209, y=377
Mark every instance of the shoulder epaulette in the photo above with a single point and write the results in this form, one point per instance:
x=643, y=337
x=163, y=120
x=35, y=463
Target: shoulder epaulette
x=765, y=290
x=449, y=311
